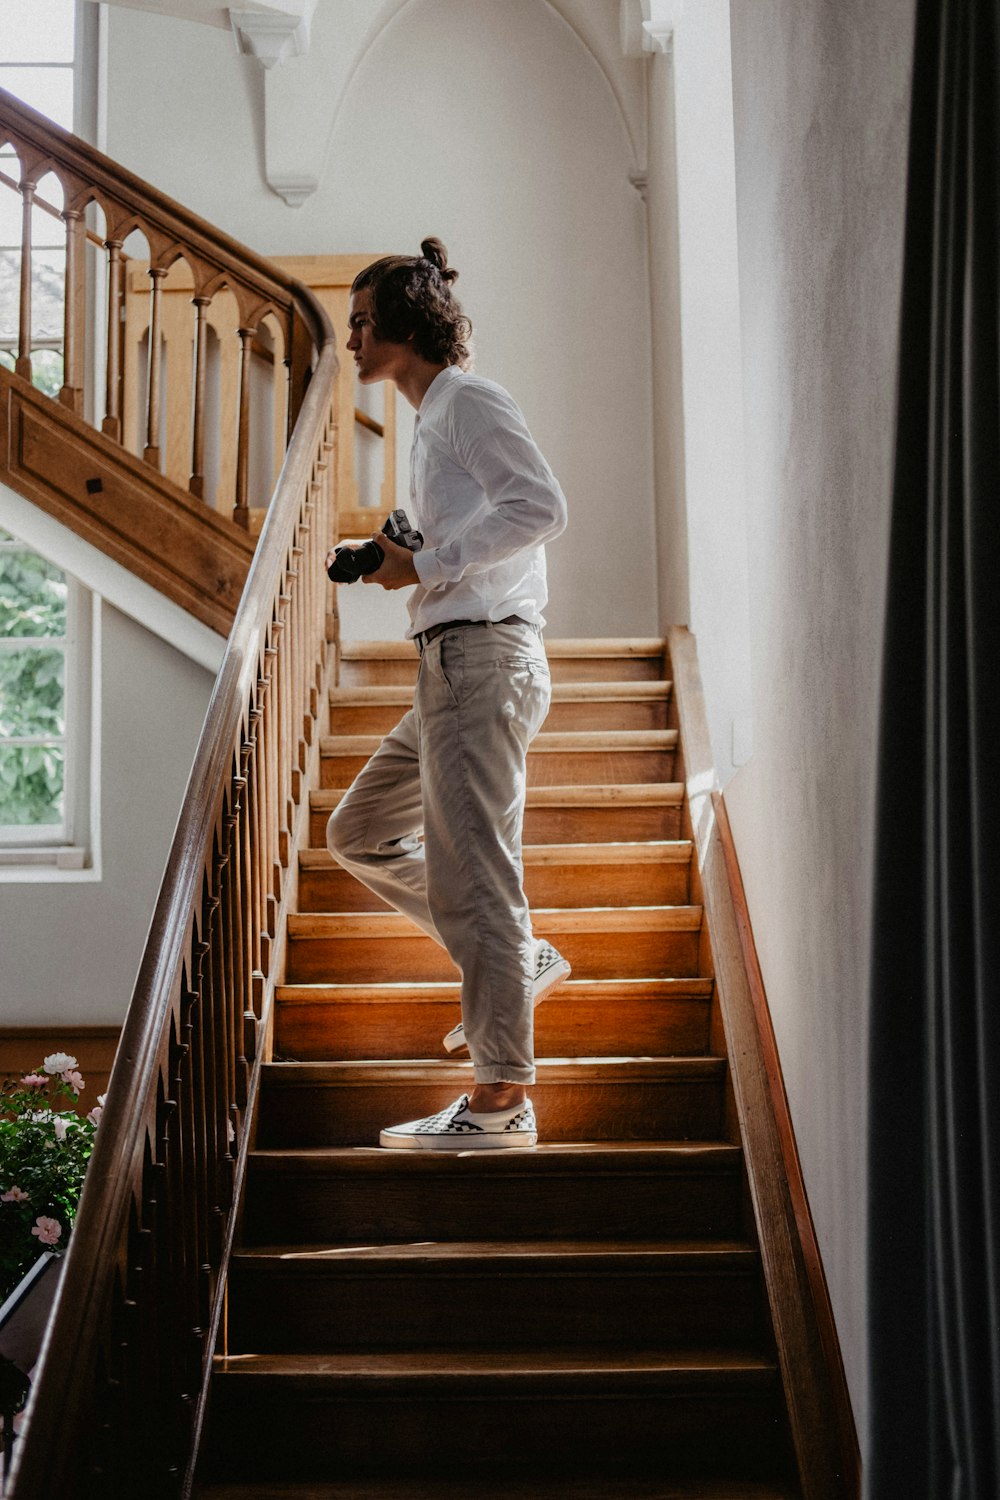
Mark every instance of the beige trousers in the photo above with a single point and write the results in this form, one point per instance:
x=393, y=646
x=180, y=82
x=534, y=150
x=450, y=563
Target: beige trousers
x=454, y=767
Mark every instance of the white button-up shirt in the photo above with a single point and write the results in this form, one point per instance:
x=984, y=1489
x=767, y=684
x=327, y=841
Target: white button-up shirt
x=486, y=502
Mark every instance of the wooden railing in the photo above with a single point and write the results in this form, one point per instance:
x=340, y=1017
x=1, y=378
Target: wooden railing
x=119, y=1395
x=261, y=314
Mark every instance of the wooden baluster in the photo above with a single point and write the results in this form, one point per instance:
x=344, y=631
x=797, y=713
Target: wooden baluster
x=241, y=510
x=22, y=365
x=112, y=424
x=75, y=314
x=152, y=450
x=197, y=484
x=225, y=1051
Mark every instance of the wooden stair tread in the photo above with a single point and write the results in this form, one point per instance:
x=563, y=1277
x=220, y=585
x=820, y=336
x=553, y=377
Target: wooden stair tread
x=427, y=992
x=555, y=742
x=599, y=646
x=401, y=694
x=505, y=1488
x=522, y=1369
x=629, y=794
x=434, y=1071
x=649, y=851
x=379, y=924
x=496, y=1255
x=547, y=1159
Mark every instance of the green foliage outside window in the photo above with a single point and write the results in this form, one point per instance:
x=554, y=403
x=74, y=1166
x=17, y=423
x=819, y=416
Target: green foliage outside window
x=32, y=687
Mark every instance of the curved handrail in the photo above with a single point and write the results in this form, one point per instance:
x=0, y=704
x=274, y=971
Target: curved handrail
x=119, y=1396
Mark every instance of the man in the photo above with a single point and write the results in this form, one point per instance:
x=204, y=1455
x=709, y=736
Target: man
x=485, y=501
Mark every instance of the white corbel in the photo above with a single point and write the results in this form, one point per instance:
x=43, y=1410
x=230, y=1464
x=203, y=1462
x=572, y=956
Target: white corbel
x=648, y=25
x=274, y=34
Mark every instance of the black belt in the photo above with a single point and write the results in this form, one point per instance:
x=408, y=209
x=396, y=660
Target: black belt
x=423, y=640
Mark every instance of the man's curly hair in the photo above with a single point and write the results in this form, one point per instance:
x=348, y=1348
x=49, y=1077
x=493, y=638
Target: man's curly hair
x=412, y=301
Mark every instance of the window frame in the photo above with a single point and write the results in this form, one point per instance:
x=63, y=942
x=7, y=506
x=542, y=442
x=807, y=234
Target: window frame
x=69, y=845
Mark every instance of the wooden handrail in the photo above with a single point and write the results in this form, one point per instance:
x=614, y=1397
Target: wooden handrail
x=216, y=262
x=120, y=1390
x=819, y=1407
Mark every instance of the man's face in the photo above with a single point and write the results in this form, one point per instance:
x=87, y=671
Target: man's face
x=374, y=358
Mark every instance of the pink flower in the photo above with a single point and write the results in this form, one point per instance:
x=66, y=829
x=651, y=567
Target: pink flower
x=14, y=1195
x=34, y=1081
x=59, y=1062
x=74, y=1079
x=95, y=1114
x=59, y=1126
x=48, y=1230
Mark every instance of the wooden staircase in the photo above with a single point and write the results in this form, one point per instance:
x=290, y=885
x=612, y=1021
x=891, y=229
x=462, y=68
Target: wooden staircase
x=586, y=1319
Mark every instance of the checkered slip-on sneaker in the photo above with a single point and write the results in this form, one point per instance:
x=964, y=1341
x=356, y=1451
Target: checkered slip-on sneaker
x=550, y=969
x=455, y=1129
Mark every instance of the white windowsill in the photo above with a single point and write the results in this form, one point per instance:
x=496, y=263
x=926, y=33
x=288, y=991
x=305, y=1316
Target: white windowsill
x=30, y=866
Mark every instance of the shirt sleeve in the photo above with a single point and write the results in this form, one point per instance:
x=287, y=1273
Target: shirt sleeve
x=491, y=441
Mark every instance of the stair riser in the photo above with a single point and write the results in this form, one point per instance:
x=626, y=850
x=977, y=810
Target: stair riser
x=609, y=955
x=379, y=718
x=569, y=825
x=309, y=1436
x=545, y=885
x=546, y=768
x=583, y=669
x=307, y=1115
x=353, y=1031
x=622, y=1206
x=457, y=1307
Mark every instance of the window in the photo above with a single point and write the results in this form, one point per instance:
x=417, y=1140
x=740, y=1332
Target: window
x=45, y=701
x=38, y=63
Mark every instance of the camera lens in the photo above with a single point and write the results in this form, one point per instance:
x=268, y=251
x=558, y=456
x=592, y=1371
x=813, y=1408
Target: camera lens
x=349, y=564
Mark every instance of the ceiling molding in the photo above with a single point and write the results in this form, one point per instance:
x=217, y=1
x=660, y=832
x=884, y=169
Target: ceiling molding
x=648, y=25
x=272, y=35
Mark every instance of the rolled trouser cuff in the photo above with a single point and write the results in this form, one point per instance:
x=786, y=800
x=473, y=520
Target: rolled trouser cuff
x=502, y=1073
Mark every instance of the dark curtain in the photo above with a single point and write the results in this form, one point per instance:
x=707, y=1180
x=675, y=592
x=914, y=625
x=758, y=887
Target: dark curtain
x=934, y=1159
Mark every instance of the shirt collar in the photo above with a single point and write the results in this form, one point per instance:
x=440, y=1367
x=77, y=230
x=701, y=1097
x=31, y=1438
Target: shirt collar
x=438, y=385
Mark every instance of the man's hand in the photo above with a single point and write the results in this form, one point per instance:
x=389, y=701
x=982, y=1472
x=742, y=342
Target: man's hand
x=396, y=570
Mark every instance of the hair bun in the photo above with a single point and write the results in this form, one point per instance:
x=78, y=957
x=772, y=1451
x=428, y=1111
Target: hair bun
x=433, y=250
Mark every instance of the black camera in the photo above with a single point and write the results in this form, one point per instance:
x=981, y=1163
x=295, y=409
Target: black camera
x=350, y=563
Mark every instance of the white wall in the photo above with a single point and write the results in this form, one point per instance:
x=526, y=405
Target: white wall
x=700, y=487
x=494, y=127
x=71, y=950
x=821, y=98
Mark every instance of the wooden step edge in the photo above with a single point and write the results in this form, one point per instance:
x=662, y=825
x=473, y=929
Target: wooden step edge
x=570, y=1488
x=654, y=991
x=646, y=852
x=512, y=1371
x=397, y=695
x=490, y=1256
x=432, y=1072
x=599, y=647
x=600, y=1159
x=604, y=919
x=554, y=742
x=628, y=794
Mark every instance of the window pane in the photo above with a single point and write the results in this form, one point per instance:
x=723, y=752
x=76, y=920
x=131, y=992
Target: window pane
x=37, y=31
x=47, y=371
x=31, y=785
x=10, y=277
x=32, y=596
x=10, y=212
x=48, y=292
x=32, y=693
x=49, y=90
